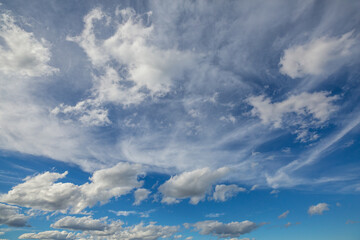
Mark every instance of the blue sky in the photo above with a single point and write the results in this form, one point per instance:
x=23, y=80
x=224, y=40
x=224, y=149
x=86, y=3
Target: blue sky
x=234, y=120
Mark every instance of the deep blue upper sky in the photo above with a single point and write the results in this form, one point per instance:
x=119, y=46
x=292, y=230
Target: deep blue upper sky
x=179, y=120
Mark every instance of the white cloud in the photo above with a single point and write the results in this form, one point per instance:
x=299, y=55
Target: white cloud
x=318, y=209
x=147, y=66
x=321, y=56
x=87, y=112
x=214, y=215
x=225, y=230
x=53, y=235
x=193, y=185
x=124, y=213
x=80, y=224
x=43, y=192
x=115, y=230
x=22, y=54
x=295, y=111
x=140, y=195
x=9, y=215
x=284, y=215
x=224, y=192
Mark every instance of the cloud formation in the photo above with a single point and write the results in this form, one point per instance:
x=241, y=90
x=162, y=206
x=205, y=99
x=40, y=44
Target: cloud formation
x=79, y=224
x=11, y=216
x=318, y=209
x=225, y=230
x=44, y=193
x=193, y=185
x=302, y=112
x=223, y=192
x=140, y=195
x=53, y=235
x=284, y=214
x=320, y=56
x=20, y=52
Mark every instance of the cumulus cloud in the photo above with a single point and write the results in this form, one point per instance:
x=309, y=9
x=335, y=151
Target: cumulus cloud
x=140, y=195
x=80, y=224
x=284, y=214
x=224, y=192
x=20, y=52
x=144, y=65
x=115, y=230
x=43, y=192
x=47, y=235
x=150, y=232
x=225, y=230
x=193, y=185
x=321, y=56
x=318, y=209
x=302, y=111
x=9, y=215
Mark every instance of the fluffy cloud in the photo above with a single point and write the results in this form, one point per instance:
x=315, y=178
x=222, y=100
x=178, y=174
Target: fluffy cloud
x=88, y=112
x=284, y=215
x=321, y=56
x=48, y=235
x=43, y=192
x=140, y=195
x=295, y=111
x=80, y=224
x=144, y=65
x=225, y=230
x=318, y=209
x=148, y=232
x=193, y=185
x=102, y=229
x=20, y=52
x=224, y=192
x=10, y=216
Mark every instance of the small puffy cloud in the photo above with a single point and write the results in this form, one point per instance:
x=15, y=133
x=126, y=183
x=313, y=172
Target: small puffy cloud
x=189, y=238
x=140, y=195
x=318, y=209
x=193, y=185
x=80, y=224
x=302, y=111
x=21, y=53
x=284, y=215
x=47, y=235
x=321, y=56
x=124, y=213
x=44, y=193
x=225, y=230
x=214, y=215
x=224, y=192
x=9, y=215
